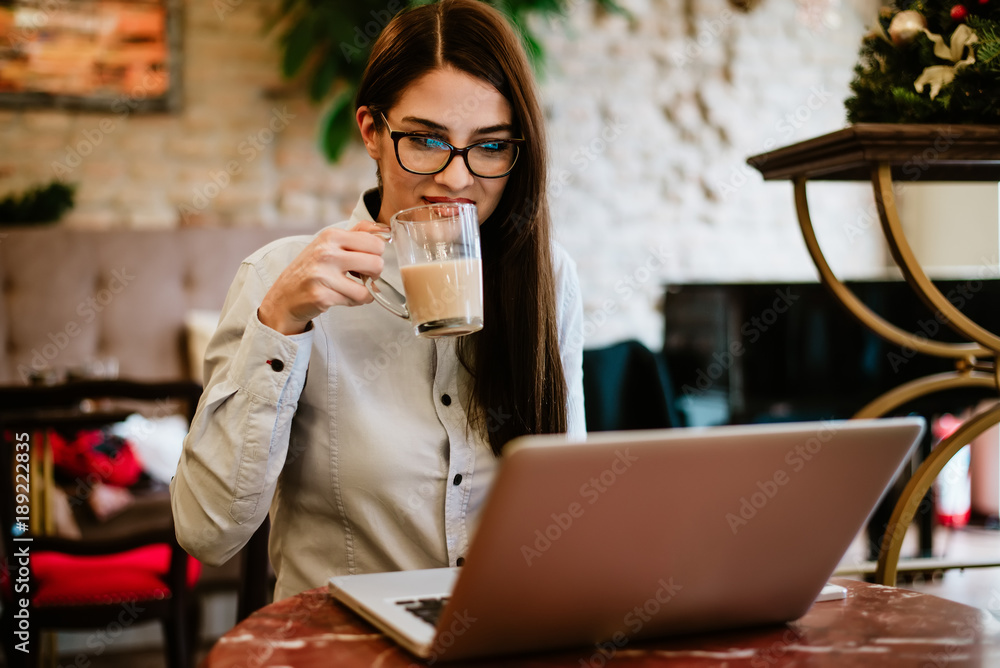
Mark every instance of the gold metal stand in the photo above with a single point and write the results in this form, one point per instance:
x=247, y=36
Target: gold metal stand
x=952, y=153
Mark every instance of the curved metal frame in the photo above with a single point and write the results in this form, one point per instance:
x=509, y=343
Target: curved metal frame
x=916, y=488
x=858, y=309
x=915, y=276
x=969, y=372
x=920, y=387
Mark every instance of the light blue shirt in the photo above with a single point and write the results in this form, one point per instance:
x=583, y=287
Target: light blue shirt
x=353, y=434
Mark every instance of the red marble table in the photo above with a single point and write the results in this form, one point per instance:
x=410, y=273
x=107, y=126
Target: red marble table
x=873, y=626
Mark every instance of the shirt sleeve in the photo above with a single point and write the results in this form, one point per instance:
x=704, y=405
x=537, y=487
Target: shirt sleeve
x=238, y=440
x=571, y=339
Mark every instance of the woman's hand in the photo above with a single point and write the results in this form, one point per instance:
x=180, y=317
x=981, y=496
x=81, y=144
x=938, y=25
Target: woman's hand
x=317, y=279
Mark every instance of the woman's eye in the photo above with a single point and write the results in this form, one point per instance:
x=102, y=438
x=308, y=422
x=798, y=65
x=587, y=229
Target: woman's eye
x=433, y=144
x=494, y=147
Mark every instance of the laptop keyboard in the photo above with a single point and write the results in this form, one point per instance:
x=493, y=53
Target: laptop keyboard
x=427, y=609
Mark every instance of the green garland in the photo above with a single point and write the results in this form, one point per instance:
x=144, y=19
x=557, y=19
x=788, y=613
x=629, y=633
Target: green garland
x=327, y=42
x=40, y=204
x=884, y=82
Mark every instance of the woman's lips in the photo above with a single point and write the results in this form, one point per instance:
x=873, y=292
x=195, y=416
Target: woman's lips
x=448, y=200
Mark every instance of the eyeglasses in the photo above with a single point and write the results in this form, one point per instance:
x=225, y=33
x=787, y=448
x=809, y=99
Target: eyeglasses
x=423, y=153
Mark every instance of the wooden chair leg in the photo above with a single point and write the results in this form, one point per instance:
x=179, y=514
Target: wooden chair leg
x=254, y=573
x=50, y=641
x=193, y=628
x=176, y=643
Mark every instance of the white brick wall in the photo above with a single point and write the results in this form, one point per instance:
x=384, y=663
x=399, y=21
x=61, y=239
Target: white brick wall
x=651, y=122
x=651, y=125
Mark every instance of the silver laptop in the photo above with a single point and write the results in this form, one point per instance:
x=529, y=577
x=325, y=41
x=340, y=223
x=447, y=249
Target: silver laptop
x=641, y=534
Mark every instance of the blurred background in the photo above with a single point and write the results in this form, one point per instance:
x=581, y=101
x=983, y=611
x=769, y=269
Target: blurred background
x=174, y=115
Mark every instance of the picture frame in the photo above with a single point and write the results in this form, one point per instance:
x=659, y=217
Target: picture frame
x=92, y=55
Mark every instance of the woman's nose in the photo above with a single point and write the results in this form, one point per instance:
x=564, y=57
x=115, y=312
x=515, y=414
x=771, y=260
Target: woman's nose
x=456, y=176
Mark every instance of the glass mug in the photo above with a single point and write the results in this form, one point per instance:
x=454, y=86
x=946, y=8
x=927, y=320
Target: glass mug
x=440, y=262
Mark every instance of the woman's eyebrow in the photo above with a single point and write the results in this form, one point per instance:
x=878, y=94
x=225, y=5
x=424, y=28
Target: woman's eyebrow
x=500, y=127
x=426, y=123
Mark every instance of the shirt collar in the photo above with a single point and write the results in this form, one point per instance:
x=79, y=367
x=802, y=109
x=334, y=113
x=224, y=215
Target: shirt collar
x=369, y=204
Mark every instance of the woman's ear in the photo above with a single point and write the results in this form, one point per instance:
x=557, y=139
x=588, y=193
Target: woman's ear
x=369, y=134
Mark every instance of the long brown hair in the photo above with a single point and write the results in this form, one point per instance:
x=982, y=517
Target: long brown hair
x=518, y=382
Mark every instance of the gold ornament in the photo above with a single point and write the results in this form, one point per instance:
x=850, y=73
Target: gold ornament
x=905, y=26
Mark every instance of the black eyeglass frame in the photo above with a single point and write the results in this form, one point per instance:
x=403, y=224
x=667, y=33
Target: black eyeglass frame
x=396, y=135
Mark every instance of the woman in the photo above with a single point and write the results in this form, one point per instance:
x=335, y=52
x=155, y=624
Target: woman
x=374, y=449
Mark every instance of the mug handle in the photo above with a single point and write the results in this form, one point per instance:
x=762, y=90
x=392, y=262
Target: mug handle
x=378, y=288
x=394, y=302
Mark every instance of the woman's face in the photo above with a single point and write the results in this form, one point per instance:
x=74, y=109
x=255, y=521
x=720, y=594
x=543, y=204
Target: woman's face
x=461, y=110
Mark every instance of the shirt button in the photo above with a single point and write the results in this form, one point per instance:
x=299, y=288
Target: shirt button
x=446, y=400
x=276, y=365
x=458, y=479
x=460, y=561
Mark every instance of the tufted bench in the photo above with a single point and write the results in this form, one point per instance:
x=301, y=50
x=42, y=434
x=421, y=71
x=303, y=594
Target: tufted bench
x=73, y=296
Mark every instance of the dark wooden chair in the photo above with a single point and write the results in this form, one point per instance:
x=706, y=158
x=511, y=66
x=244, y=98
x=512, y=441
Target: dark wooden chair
x=256, y=580
x=85, y=584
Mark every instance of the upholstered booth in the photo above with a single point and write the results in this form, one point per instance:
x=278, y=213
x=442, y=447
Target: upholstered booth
x=70, y=297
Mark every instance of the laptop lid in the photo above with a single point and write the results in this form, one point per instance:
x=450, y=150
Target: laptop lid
x=640, y=534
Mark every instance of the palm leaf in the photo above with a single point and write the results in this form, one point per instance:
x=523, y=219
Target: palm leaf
x=323, y=77
x=337, y=125
x=299, y=43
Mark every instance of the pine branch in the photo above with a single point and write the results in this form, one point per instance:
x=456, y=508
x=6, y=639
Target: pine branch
x=883, y=85
x=988, y=47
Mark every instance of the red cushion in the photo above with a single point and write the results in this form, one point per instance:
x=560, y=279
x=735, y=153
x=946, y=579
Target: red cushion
x=92, y=452
x=133, y=575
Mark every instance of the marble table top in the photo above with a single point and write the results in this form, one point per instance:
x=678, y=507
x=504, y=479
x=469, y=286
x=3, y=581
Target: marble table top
x=873, y=626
